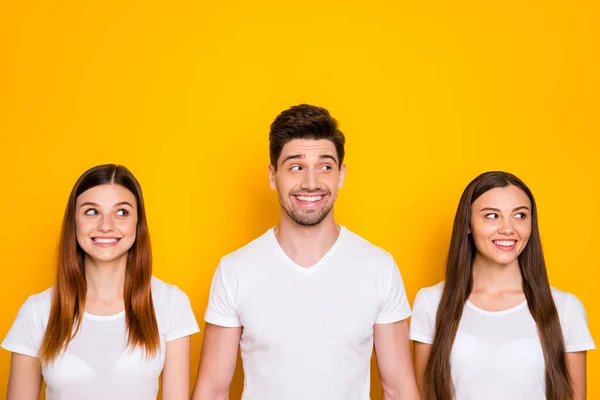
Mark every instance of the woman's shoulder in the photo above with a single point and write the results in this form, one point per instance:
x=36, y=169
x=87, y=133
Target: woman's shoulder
x=39, y=302
x=173, y=309
x=565, y=302
x=165, y=294
x=430, y=295
x=36, y=309
x=432, y=292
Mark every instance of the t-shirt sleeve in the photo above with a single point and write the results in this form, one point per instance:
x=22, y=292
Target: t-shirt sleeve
x=182, y=321
x=395, y=305
x=422, y=324
x=575, y=328
x=25, y=335
x=221, y=309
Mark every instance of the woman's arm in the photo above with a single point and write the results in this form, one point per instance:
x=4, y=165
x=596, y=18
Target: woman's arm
x=25, y=379
x=176, y=371
x=577, y=370
x=422, y=352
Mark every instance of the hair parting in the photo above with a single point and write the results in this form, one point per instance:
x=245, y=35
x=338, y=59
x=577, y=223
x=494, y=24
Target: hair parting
x=68, y=297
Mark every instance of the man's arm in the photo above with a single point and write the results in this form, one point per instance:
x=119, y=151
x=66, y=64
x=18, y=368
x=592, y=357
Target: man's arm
x=394, y=361
x=217, y=362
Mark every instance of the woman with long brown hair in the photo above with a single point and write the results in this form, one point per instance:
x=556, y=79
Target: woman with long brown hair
x=107, y=329
x=495, y=329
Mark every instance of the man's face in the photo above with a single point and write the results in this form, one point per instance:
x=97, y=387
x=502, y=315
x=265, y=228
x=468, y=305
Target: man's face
x=307, y=179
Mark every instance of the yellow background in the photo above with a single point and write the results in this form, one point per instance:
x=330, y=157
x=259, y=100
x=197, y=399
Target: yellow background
x=429, y=94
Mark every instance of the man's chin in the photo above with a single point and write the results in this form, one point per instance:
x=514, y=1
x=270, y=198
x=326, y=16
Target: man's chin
x=308, y=218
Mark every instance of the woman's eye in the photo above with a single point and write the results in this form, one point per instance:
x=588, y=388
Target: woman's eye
x=122, y=213
x=491, y=216
x=91, y=211
x=521, y=215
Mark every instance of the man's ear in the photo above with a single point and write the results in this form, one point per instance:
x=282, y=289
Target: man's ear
x=272, y=180
x=342, y=176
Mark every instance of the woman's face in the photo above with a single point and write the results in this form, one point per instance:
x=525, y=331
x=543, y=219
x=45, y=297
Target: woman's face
x=106, y=221
x=501, y=224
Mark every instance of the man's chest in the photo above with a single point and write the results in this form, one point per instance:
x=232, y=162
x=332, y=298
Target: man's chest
x=339, y=311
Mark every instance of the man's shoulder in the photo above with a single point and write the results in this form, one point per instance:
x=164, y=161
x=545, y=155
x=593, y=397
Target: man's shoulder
x=254, y=251
x=360, y=247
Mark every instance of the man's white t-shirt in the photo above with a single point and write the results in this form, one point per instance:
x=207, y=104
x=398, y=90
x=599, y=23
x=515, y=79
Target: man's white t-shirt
x=497, y=355
x=97, y=365
x=307, y=332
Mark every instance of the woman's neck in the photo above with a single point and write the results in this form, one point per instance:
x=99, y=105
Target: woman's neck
x=490, y=277
x=105, y=280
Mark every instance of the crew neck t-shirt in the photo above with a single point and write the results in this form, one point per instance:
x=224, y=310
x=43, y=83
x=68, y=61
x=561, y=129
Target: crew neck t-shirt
x=497, y=355
x=97, y=364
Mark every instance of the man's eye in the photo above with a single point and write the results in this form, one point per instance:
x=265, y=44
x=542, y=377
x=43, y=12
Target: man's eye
x=295, y=168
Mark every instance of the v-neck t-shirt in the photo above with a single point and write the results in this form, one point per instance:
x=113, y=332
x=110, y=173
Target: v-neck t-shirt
x=307, y=332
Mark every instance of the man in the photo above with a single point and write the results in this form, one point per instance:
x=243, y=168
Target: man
x=307, y=300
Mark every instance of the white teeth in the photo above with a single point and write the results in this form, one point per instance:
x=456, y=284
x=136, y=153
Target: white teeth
x=506, y=243
x=309, y=198
x=105, y=241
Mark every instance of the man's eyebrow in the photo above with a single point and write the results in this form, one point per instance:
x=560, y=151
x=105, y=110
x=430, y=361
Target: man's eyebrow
x=292, y=157
x=301, y=156
x=322, y=156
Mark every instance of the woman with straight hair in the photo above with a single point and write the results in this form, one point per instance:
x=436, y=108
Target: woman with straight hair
x=495, y=329
x=107, y=329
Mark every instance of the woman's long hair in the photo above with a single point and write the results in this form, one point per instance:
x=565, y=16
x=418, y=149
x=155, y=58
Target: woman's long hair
x=459, y=283
x=68, y=298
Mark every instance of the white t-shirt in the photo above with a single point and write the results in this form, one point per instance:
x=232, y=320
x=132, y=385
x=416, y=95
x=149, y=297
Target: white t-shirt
x=307, y=332
x=497, y=354
x=97, y=364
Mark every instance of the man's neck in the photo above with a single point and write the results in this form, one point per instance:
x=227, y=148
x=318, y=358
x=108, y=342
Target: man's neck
x=306, y=245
